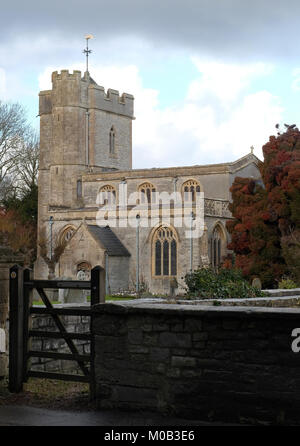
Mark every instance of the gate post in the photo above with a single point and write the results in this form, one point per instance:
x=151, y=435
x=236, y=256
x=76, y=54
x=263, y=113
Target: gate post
x=97, y=296
x=26, y=305
x=16, y=325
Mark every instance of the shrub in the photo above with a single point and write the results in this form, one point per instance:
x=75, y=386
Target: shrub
x=226, y=283
x=287, y=284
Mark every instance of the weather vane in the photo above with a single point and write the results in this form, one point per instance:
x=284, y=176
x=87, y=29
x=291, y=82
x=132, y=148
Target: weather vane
x=86, y=51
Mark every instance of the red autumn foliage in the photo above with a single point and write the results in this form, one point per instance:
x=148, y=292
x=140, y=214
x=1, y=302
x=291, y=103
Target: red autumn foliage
x=281, y=175
x=20, y=237
x=266, y=225
x=254, y=238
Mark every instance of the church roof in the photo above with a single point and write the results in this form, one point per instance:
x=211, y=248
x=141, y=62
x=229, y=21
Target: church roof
x=230, y=168
x=109, y=240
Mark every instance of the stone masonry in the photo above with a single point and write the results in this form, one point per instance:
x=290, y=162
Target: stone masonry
x=77, y=119
x=229, y=364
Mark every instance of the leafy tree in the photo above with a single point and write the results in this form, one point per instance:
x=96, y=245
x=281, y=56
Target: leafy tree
x=255, y=238
x=266, y=226
x=26, y=206
x=281, y=176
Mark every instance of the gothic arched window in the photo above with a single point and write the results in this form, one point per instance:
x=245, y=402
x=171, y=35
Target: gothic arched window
x=147, y=193
x=216, y=247
x=165, y=252
x=112, y=140
x=107, y=195
x=190, y=189
x=67, y=233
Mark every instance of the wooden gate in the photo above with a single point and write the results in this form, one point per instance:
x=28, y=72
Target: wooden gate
x=20, y=332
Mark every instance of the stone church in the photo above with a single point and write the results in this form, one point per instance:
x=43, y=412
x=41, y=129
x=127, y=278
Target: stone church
x=112, y=215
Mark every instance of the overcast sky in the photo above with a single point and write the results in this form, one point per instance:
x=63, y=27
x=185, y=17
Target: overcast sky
x=210, y=77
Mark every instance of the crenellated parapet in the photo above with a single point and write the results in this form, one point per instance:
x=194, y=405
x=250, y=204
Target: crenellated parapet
x=111, y=101
x=66, y=75
x=71, y=89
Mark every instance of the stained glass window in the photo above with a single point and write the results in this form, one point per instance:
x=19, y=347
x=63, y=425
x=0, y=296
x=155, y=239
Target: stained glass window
x=165, y=252
x=166, y=257
x=158, y=258
x=173, y=258
x=216, y=247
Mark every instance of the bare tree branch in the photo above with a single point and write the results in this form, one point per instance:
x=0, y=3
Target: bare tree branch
x=58, y=248
x=18, y=151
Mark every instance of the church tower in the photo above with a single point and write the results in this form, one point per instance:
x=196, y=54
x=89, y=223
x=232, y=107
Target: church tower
x=82, y=129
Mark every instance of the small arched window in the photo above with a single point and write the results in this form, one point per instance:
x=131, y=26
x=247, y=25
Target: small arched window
x=216, y=247
x=107, y=195
x=112, y=141
x=147, y=193
x=66, y=234
x=190, y=189
x=165, y=252
x=79, y=189
x=85, y=268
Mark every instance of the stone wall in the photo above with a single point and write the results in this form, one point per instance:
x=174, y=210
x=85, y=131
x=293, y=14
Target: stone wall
x=210, y=363
x=118, y=274
x=77, y=324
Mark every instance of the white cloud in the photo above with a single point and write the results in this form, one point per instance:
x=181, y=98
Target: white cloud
x=218, y=121
x=250, y=123
x=225, y=81
x=2, y=84
x=44, y=79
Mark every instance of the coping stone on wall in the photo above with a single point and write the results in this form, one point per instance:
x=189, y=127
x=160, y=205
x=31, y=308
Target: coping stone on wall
x=147, y=306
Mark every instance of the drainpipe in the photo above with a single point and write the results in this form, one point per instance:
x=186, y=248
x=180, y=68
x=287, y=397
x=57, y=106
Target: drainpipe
x=107, y=287
x=50, y=227
x=191, y=247
x=175, y=185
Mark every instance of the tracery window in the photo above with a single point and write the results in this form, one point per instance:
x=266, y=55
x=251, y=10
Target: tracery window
x=165, y=252
x=85, y=268
x=112, y=138
x=190, y=189
x=107, y=195
x=147, y=193
x=67, y=234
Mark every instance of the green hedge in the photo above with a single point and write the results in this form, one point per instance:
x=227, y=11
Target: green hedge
x=224, y=284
